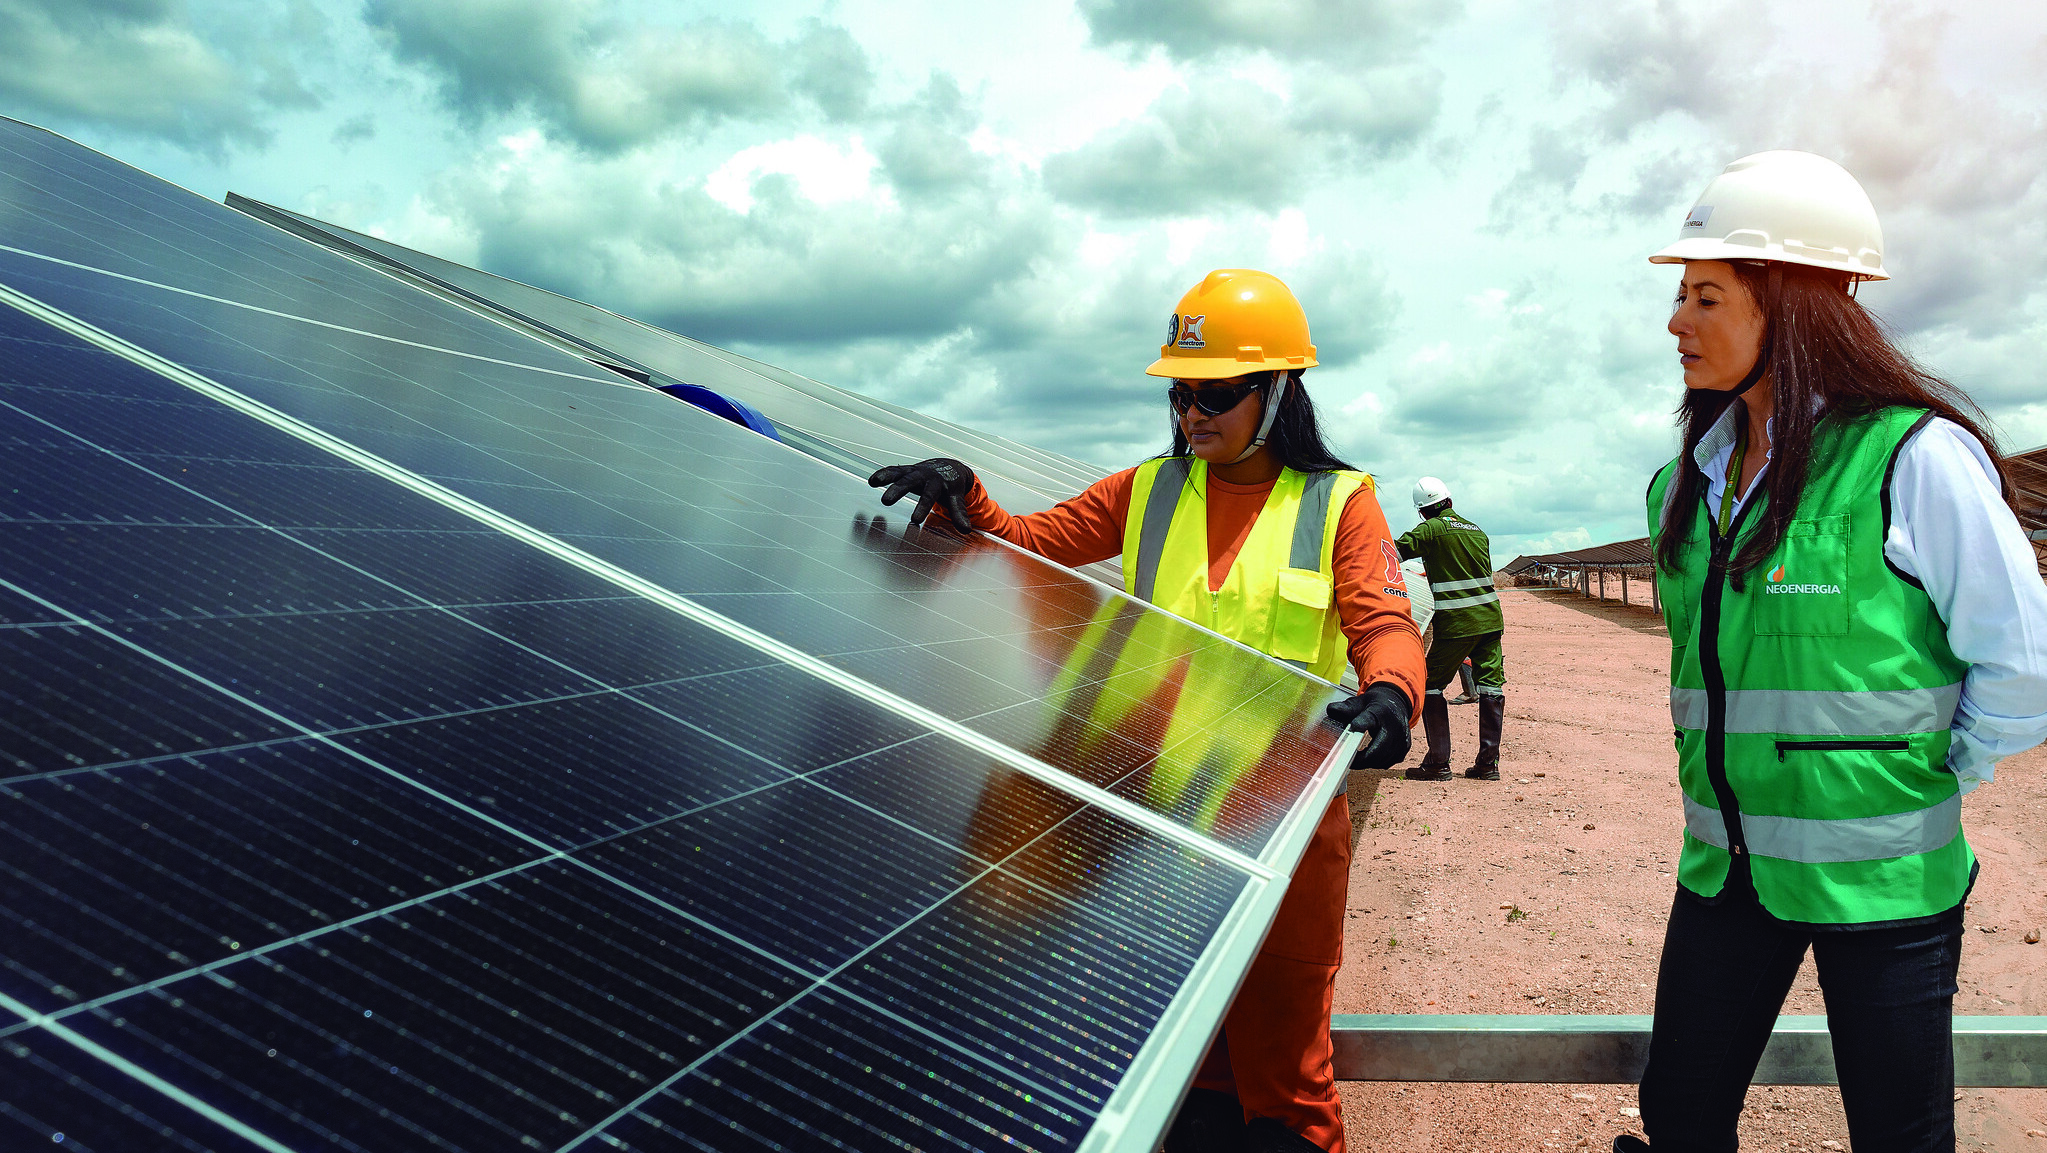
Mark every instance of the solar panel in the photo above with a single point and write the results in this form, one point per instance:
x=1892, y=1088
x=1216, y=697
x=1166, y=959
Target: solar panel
x=417, y=738
x=871, y=431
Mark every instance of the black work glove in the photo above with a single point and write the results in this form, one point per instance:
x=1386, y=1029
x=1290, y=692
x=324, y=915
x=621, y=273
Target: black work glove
x=1380, y=711
x=939, y=479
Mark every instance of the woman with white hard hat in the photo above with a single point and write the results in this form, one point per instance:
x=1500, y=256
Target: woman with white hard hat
x=1251, y=527
x=1858, y=634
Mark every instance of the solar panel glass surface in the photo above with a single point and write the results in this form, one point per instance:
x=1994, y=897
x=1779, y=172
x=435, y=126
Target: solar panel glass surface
x=879, y=431
x=344, y=812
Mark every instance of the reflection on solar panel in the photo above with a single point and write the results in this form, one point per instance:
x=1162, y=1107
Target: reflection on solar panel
x=418, y=738
x=853, y=430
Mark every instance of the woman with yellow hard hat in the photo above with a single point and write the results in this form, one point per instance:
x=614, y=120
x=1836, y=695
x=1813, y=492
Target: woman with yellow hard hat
x=1251, y=527
x=1858, y=634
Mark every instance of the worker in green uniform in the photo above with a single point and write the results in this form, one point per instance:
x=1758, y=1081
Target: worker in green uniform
x=1467, y=624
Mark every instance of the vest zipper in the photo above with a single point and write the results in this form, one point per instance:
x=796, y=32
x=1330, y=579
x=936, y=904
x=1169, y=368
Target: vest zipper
x=1715, y=677
x=1836, y=746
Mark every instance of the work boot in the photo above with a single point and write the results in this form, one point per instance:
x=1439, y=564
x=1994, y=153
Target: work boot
x=1269, y=1135
x=1435, y=764
x=1492, y=709
x=1208, y=1122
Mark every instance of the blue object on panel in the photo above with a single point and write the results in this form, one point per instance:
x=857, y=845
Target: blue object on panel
x=724, y=406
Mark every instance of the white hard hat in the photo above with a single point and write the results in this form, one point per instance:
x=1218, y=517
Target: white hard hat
x=1428, y=490
x=1788, y=206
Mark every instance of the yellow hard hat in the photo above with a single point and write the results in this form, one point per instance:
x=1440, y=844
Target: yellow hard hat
x=1235, y=321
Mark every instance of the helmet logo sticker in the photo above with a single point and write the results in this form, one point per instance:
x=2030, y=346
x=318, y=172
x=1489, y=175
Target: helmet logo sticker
x=1190, y=331
x=1700, y=214
x=1172, y=328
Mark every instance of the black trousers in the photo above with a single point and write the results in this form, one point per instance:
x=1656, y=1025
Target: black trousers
x=1890, y=1004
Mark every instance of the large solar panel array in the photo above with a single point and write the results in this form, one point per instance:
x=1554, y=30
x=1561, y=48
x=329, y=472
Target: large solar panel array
x=860, y=432
x=417, y=738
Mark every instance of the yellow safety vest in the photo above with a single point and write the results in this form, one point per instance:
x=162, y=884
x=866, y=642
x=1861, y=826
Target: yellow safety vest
x=1280, y=594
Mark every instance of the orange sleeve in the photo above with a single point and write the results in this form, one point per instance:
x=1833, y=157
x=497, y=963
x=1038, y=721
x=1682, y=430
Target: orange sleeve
x=1085, y=529
x=1371, y=601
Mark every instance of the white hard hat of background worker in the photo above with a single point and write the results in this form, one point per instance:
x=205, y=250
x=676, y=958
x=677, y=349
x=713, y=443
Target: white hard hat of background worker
x=1238, y=321
x=1427, y=491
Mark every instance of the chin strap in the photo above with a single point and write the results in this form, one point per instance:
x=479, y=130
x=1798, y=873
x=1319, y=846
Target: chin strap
x=1275, y=394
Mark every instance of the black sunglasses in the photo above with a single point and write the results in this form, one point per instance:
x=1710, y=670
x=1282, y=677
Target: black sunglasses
x=1214, y=400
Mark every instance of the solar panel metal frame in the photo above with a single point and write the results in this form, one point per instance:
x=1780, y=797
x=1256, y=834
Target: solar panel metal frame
x=1141, y=1104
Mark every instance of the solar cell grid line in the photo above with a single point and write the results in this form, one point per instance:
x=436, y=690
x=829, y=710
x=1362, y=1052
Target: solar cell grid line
x=782, y=615
x=52, y=264
x=71, y=1099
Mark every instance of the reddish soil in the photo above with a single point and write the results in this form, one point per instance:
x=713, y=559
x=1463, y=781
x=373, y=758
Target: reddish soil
x=1581, y=837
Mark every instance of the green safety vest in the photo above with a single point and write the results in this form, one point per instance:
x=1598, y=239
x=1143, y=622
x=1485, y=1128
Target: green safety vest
x=1280, y=594
x=1460, y=563
x=1812, y=704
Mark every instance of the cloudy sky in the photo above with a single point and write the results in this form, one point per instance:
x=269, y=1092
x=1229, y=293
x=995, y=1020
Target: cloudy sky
x=987, y=210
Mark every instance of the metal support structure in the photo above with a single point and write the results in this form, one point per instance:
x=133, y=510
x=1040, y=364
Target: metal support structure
x=1559, y=1049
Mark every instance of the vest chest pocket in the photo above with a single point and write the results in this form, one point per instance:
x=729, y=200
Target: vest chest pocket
x=1803, y=591
x=1299, y=612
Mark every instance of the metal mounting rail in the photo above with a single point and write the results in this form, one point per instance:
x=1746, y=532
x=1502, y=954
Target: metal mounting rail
x=1553, y=1049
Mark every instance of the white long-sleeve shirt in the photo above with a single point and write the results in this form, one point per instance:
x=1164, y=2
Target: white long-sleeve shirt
x=1952, y=531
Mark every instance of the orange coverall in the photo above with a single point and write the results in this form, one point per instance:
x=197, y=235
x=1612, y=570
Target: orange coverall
x=1274, y=1051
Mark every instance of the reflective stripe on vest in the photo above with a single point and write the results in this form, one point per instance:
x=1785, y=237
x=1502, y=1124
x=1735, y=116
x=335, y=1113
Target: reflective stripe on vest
x=1158, y=521
x=1466, y=600
x=1815, y=842
x=1464, y=594
x=1818, y=713
x=1312, y=519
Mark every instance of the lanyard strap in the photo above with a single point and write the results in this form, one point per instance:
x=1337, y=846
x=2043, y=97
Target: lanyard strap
x=1733, y=479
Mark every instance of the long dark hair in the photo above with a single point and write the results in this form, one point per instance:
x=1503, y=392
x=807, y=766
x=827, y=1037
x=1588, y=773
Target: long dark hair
x=1829, y=360
x=1296, y=439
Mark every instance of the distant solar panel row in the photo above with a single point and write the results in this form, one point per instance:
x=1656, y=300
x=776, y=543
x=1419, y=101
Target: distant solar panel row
x=865, y=432
x=414, y=740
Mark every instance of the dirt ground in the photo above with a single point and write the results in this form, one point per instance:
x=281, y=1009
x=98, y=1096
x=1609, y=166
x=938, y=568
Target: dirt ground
x=1581, y=837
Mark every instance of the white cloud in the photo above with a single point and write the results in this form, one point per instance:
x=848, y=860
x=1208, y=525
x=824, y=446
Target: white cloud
x=149, y=67
x=1290, y=240
x=825, y=172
